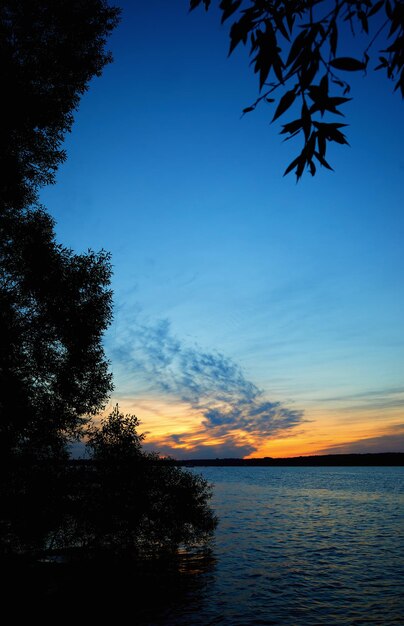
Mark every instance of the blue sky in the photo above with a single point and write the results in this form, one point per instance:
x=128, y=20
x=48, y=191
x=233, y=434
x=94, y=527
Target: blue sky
x=252, y=314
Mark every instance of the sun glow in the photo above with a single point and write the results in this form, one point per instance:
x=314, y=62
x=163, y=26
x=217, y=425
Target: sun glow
x=176, y=427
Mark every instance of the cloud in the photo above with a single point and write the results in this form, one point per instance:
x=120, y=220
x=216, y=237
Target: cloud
x=234, y=412
x=391, y=442
x=229, y=449
x=372, y=399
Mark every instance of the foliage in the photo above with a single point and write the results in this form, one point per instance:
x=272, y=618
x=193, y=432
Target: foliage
x=34, y=496
x=55, y=306
x=123, y=502
x=116, y=440
x=139, y=502
x=296, y=51
x=49, y=53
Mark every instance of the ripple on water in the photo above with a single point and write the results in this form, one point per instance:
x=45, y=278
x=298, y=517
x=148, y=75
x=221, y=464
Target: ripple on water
x=315, y=546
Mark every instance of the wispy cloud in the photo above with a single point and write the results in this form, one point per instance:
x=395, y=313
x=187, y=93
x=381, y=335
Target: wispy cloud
x=370, y=399
x=393, y=441
x=235, y=413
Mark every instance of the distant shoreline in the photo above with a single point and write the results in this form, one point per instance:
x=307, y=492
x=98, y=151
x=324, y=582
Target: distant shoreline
x=329, y=460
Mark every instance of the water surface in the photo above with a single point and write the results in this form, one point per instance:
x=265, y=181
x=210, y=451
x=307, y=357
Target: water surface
x=301, y=545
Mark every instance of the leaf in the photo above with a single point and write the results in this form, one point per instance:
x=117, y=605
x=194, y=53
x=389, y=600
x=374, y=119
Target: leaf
x=291, y=127
x=239, y=32
x=364, y=21
x=383, y=62
x=309, y=71
x=338, y=82
x=334, y=39
x=310, y=146
x=338, y=137
x=292, y=165
x=323, y=161
x=267, y=54
x=292, y=135
x=376, y=8
x=324, y=104
x=322, y=144
x=228, y=7
x=296, y=47
x=248, y=110
x=196, y=3
x=395, y=23
x=278, y=65
x=280, y=25
x=300, y=167
x=338, y=100
x=328, y=126
x=290, y=18
x=348, y=64
x=264, y=69
x=401, y=82
x=367, y=59
x=285, y=102
x=306, y=121
x=324, y=84
x=329, y=132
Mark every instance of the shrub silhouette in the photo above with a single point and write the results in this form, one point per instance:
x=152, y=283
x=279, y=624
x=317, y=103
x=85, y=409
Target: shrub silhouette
x=138, y=502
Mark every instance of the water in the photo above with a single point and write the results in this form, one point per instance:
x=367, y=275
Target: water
x=316, y=546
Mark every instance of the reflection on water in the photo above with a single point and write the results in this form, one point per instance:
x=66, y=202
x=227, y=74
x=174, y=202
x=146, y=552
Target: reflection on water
x=142, y=592
x=303, y=546
x=313, y=546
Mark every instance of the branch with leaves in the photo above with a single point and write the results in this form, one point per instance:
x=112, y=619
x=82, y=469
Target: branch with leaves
x=296, y=51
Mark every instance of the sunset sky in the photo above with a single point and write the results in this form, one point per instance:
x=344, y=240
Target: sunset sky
x=253, y=316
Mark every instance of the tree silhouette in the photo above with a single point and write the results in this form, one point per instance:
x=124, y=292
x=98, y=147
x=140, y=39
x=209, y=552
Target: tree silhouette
x=138, y=502
x=298, y=51
x=55, y=306
x=49, y=51
x=116, y=440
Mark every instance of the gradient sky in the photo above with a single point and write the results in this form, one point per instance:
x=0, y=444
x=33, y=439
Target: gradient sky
x=253, y=316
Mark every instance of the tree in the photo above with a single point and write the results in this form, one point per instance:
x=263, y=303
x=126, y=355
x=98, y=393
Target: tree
x=296, y=51
x=126, y=502
x=49, y=51
x=116, y=440
x=55, y=306
x=145, y=503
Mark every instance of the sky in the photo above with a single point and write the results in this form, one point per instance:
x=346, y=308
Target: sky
x=253, y=316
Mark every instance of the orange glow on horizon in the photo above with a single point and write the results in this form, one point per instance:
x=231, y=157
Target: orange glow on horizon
x=323, y=429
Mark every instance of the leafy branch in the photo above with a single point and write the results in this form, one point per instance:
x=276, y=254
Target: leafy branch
x=295, y=48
